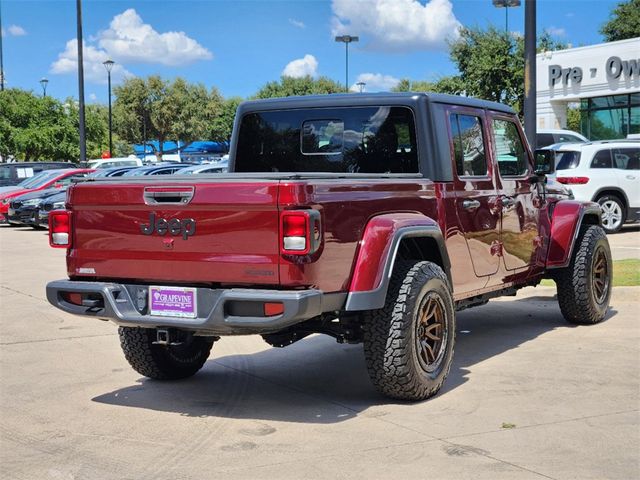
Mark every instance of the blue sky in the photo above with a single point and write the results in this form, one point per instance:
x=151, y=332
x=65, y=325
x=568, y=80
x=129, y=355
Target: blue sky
x=238, y=46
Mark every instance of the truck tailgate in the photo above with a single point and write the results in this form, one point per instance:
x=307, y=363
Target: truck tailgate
x=226, y=232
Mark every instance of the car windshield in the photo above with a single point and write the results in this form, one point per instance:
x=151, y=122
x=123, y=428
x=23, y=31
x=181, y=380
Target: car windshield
x=567, y=160
x=39, y=179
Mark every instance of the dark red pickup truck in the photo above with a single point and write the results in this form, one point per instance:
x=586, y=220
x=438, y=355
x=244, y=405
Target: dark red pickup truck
x=370, y=218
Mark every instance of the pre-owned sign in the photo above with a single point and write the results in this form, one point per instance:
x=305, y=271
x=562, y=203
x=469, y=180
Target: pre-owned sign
x=614, y=67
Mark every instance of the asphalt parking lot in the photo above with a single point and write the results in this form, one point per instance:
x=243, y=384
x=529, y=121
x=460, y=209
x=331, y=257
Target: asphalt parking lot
x=528, y=397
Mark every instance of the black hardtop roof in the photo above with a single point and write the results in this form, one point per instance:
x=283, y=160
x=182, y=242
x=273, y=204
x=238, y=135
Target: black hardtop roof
x=367, y=99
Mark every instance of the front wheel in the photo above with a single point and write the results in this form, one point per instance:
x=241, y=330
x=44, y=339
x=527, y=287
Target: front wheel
x=584, y=286
x=408, y=343
x=163, y=362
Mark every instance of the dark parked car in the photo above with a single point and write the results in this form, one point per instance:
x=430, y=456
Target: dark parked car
x=14, y=173
x=54, y=202
x=23, y=210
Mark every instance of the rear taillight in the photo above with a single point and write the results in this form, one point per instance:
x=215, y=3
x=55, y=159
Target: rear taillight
x=60, y=229
x=573, y=180
x=300, y=232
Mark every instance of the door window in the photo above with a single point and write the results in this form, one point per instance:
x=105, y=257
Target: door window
x=626, y=158
x=468, y=146
x=510, y=151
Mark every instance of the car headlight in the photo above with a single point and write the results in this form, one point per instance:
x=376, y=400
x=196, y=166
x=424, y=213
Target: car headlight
x=5, y=201
x=34, y=202
x=58, y=205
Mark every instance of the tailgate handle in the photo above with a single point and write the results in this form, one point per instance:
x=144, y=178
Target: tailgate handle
x=168, y=195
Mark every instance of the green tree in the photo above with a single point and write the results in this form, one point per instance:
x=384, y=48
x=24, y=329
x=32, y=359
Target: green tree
x=573, y=119
x=43, y=128
x=222, y=124
x=290, y=86
x=623, y=23
x=163, y=110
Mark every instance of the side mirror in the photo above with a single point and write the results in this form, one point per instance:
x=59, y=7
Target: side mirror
x=544, y=161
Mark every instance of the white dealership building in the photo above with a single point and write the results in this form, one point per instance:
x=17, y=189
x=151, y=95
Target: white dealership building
x=603, y=81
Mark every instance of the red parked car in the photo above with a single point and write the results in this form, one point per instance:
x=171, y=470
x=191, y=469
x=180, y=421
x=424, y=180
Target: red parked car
x=371, y=218
x=46, y=179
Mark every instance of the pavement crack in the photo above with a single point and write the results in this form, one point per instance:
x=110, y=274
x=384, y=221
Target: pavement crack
x=56, y=339
x=23, y=293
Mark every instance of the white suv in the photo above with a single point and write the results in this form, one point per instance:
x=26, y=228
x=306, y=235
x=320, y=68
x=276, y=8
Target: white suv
x=607, y=172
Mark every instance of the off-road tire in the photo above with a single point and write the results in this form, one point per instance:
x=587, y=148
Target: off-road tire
x=578, y=295
x=390, y=333
x=163, y=362
x=614, y=206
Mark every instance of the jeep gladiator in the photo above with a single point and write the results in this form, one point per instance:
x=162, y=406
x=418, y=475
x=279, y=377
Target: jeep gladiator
x=372, y=218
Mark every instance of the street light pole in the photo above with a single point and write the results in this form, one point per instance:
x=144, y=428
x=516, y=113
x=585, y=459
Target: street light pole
x=506, y=4
x=1, y=60
x=361, y=86
x=108, y=64
x=346, y=39
x=43, y=83
x=83, y=139
x=530, y=70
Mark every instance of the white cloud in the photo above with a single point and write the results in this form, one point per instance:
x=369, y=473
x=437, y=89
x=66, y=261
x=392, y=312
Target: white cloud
x=128, y=39
x=93, y=97
x=93, y=57
x=297, y=23
x=301, y=67
x=397, y=25
x=375, y=82
x=13, y=31
x=557, y=31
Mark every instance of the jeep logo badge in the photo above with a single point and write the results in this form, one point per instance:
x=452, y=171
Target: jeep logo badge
x=185, y=227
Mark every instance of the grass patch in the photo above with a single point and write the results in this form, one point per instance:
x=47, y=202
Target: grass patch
x=626, y=273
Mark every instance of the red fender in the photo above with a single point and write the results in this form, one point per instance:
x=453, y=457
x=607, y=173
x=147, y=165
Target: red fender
x=567, y=217
x=377, y=251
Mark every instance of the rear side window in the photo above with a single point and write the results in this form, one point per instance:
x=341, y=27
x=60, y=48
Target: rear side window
x=342, y=140
x=564, y=137
x=544, y=139
x=510, y=151
x=468, y=145
x=602, y=159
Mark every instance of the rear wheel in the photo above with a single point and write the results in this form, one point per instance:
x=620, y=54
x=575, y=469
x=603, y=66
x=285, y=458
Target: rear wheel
x=584, y=287
x=408, y=344
x=163, y=362
x=613, y=213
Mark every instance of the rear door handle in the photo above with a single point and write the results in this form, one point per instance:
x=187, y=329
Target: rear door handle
x=631, y=177
x=470, y=204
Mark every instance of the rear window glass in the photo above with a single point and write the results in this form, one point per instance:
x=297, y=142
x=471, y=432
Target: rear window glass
x=341, y=140
x=567, y=160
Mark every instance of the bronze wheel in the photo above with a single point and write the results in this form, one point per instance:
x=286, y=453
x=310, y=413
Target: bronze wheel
x=601, y=276
x=431, y=332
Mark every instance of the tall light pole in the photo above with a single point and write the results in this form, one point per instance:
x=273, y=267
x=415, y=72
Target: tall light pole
x=83, y=138
x=506, y=4
x=346, y=39
x=530, y=70
x=43, y=83
x=108, y=64
x=1, y=61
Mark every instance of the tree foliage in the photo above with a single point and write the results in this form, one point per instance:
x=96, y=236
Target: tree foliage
x=222, y=124
x=44, y=128
x=490, y=65
x=154, y=108
x=623, y=23
x=290, y=86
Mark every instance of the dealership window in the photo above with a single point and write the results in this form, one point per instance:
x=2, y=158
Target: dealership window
x=610, y=117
